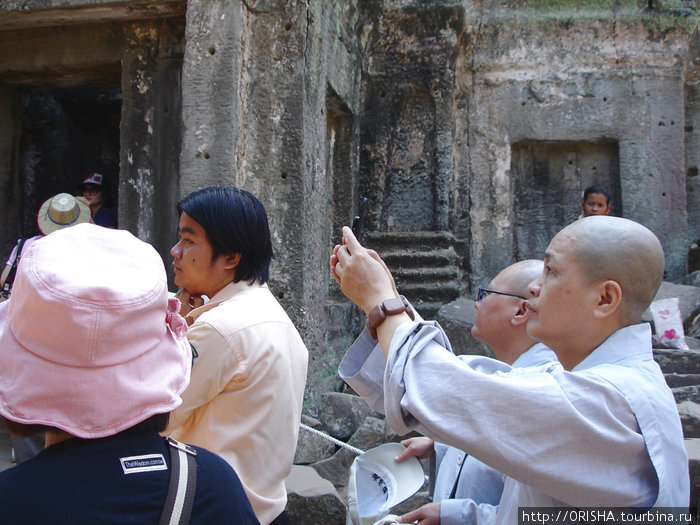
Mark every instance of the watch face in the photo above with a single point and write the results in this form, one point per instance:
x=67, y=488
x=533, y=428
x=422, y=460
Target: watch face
x=393, y=306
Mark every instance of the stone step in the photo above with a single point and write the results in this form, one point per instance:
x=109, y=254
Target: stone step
x=678, y=380
x=424, y=264
x=420, y=240
x=427, y=309
x=429, y=291
x=440, y=273
x=418, y=259
x=686, y=393
x=689, y=413
x=677, y=361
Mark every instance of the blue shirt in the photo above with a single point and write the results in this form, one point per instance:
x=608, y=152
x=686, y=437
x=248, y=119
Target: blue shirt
x=82, y=481
x=105, y=217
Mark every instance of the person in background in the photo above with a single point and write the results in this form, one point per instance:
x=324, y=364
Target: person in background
x=94, y=354
x=459, y=481
x=94, y=191
x=249, y=373
x=595, y=201
x=57, y=212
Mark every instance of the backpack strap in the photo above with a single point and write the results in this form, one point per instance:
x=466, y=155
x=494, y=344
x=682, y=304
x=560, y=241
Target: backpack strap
x=183, y=479
x=7, y=286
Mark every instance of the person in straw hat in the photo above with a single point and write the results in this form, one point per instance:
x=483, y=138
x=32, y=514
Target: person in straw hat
x=94, y=353
x=57, y=212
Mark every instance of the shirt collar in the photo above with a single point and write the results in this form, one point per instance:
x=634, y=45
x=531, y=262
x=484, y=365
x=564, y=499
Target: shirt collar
x=537, y=354
x=224, y=294
x=629, y=342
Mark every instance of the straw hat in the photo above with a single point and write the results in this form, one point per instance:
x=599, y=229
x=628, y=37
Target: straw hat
x=61, y=211
x=90, y=342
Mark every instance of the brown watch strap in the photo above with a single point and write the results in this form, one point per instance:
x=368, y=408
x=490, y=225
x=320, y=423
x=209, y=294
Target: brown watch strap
x=393, y=306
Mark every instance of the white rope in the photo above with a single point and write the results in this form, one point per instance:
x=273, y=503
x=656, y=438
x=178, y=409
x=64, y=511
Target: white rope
x=332, y=439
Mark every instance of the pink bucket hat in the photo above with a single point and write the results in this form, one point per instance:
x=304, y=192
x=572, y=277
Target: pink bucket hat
x=89, y=341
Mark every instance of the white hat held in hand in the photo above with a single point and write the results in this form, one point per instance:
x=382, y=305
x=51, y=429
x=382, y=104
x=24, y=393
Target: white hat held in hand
x=378, y=482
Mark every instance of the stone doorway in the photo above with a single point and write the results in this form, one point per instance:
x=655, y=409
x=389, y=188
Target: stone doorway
x=549, y=180
x=66, y=134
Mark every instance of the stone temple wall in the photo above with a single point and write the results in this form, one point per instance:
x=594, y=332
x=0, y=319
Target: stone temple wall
x=471, y=127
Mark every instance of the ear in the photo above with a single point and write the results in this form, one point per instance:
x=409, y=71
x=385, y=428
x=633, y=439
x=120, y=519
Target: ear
x=609, y=299
x=520, y=316
x=232, y=260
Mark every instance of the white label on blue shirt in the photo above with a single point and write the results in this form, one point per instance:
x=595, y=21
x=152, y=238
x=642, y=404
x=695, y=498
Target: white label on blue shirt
x=145, y=463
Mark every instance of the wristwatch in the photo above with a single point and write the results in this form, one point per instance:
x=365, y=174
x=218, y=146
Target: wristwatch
x=393, y=306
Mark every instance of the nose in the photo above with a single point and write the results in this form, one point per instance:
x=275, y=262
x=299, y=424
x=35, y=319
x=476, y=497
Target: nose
x=175, y=250
x=534, y=286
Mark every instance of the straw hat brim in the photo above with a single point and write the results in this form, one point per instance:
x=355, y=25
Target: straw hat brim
x=49, y=220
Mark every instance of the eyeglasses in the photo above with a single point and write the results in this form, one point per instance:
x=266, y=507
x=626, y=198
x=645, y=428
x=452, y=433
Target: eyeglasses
x=483, y=292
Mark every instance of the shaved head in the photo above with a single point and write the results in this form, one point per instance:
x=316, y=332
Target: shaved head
x=516, y=277
x=620, y=250
x=501, y=321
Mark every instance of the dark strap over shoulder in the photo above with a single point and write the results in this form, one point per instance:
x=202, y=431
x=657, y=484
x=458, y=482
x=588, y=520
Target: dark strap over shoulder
x=7, y=286
x=183, y=481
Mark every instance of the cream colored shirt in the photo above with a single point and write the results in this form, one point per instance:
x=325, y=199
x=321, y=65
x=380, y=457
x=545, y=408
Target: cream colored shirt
x=245, y=397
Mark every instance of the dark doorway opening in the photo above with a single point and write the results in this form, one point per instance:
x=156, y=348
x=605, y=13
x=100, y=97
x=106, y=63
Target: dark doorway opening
x=67, y=134
x=550, y=178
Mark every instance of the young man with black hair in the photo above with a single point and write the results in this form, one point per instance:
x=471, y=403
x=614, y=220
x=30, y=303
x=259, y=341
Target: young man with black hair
x=245, y=397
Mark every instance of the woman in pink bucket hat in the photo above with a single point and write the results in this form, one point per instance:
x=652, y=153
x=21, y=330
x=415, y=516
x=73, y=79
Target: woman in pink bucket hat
x=94, y=353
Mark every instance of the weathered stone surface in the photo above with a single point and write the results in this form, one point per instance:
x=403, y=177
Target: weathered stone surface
x=342, y=414
x=336, y=468
x=677, y=361
x=687, y=393
x=691, y=342
x=312, y=499
x=310, y=446
x=676, y=380
x=457, y=319
x=689, y=412
x=370, y=434
x=692, y=279
x=693, y=333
